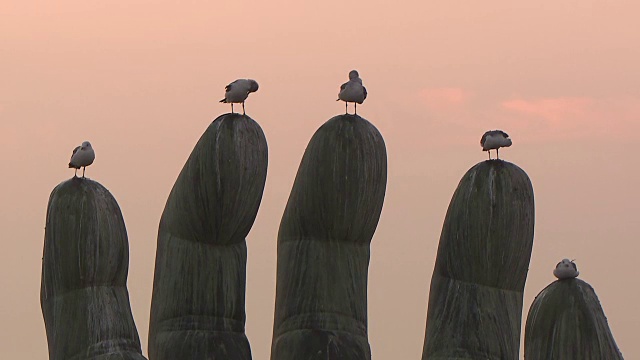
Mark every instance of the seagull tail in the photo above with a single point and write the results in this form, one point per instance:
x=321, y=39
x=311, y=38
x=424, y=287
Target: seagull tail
x=223, y=100
x=337, y=99
x=73, y=166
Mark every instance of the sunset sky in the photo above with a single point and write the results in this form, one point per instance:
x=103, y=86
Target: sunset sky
x=141, y=80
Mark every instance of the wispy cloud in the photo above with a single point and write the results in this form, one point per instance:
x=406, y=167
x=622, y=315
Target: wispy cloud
x=555, y=110
x=575, y=117
x=530, y=119
x=444, y=97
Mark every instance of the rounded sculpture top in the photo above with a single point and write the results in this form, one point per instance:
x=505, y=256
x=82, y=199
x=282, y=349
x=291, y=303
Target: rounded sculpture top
x=83, y=219
x=566, y=269
x=339, y=190
x=217, y=194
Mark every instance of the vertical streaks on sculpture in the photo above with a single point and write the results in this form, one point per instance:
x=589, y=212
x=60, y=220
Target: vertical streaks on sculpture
x=476, y=294
x=84, y=297
x=198, y=304
x=566, y=322
x=323, y=244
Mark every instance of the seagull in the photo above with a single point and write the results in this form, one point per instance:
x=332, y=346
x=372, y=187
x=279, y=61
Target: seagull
x=82, y=156
x=238, y=91
x=566, y=269
x=352, y=91
x=494, y=139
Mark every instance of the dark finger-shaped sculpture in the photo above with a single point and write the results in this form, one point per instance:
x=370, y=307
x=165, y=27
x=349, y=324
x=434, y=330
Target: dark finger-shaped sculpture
x=476, y=296
x=323, y=244
x=84, y=295
x=566, y=322
x=198, y=304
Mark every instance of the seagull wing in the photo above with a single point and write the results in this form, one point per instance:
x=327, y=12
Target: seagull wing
x=230, y=86
x=342, y=87
x=227, y=89
x=72, y=165
x=364, y=90
x=483, y=139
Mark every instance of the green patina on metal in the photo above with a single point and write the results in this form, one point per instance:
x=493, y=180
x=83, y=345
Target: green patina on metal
x=323, y=244
x=198, y=304
x=475, y=301
x=84, y=298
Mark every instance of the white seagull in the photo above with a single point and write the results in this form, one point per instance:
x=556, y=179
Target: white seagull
x=82, y=157
x=238, y=91
x=352, y=91
x=494, y=139
x=566, y=269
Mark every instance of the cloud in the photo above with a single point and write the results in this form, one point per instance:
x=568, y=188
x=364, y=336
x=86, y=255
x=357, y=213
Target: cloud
x=467, y=114
x=574, y=117
x=554, y=110
x=438, y=98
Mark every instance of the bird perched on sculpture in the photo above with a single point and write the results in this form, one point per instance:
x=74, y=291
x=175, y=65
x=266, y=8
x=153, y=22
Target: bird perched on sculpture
x=494, y=140
x=82, y=157
x=566, y=269
x=238, y=91
x=352, y=91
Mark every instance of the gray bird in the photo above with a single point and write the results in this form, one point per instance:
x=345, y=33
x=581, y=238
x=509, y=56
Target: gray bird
x=352, y=91
x=566, y=269
x=82, y=157
x=238, y=91
x=494, y=140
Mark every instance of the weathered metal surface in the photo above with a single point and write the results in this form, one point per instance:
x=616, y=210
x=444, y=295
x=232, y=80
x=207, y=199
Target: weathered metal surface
x=84, y=298
x=566, y=322
x=475, y=301
x=323, y=244
x=198, y=304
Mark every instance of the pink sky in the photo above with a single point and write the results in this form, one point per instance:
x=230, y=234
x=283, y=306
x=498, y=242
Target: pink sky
x=141, y=81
